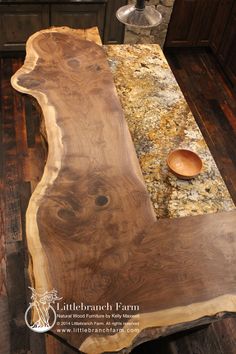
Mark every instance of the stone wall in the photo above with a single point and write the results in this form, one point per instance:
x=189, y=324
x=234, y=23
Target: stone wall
x=156, y=34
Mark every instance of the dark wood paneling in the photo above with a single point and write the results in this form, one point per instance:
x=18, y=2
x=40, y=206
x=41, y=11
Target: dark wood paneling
x=79, y=16
x=230, y=66
x=227, y=53
x=228, y=37
x=191, y=23
x=219, y=24
x=17, y=23
x=207, y=13
x=183, y=28
x=114, y=30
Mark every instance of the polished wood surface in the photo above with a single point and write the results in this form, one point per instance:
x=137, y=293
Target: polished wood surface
x=217, y=338
x=163, y=263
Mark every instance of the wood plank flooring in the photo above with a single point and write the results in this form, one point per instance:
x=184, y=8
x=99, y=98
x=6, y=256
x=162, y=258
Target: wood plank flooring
x=213, y=104
x=14, y=157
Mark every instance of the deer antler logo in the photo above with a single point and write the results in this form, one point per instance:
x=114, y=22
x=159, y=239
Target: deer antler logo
x=43, y=313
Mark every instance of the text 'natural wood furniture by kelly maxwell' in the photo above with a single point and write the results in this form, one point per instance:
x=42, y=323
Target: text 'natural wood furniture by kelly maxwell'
x=91, y=230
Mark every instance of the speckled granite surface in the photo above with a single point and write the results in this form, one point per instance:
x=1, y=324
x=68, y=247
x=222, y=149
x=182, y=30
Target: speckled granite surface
x=159, y=120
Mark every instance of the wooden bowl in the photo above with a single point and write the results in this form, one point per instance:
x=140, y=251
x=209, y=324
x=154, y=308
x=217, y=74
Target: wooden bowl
x=185, y=164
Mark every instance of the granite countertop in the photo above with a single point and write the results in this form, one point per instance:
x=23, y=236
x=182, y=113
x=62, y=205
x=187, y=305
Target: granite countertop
x=160, y=120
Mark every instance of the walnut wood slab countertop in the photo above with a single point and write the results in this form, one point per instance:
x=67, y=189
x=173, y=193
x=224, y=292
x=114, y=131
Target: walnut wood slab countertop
x=91, y=231
x=160, y=121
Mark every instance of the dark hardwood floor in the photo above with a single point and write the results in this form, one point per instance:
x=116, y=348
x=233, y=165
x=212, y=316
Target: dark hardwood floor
x=213, y=104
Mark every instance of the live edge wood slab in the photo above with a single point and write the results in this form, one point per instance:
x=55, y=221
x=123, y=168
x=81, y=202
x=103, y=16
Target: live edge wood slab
x=91, y=230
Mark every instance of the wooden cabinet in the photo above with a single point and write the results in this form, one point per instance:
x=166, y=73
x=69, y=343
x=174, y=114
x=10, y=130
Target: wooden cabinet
x=219, y=25
x=79, y=15
x=191, y=23
x=183, y=24
x=206, y=23
x=17, y=23
x=226, y=53
x=114, y=30
x=207, y=13
x=19, y=19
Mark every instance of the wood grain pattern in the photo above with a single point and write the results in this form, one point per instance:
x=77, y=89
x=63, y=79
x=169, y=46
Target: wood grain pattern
x=91, y=230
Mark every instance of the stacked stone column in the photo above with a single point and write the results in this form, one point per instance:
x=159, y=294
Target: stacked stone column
x=154, y=35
